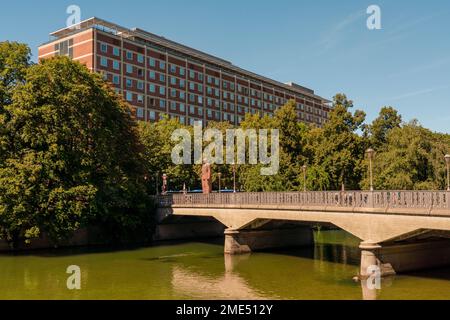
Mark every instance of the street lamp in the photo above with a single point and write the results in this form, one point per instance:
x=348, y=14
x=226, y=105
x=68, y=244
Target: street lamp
x=234, y=177
x=220, y=184
x=304, y=177
x=157, y=183
x=370, y=153
x=447, y=161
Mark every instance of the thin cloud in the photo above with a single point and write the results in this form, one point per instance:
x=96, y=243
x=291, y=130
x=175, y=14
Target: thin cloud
x=422, y=68
x=332, y=36
x=410, y=24
x=419, y=92
x=393, y=33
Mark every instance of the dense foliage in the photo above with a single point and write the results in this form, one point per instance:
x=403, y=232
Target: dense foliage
x=74, y=158
x=14, y=62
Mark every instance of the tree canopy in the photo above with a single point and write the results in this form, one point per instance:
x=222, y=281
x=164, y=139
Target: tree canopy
x=14, y=61
x=411, y=158
x=75, y=157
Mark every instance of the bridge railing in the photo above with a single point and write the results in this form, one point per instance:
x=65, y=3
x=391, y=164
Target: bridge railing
x=349, y=199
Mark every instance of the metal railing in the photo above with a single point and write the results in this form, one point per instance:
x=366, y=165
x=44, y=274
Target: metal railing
x=423, y=200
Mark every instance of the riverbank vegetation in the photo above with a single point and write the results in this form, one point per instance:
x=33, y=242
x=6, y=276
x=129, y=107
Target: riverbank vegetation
x=71, y=155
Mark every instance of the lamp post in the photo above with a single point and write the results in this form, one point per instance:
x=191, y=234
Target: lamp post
x=304, y=177
x=220, y=182
x=447, y=161
x=234, y=177
x=157, y=183
x=370, y=153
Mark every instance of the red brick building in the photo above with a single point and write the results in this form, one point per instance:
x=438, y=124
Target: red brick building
x=158, y=76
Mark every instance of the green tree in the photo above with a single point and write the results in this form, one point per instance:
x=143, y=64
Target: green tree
x=387, y=120
x=337, y=147
x=14, y=62
x=76, y=158
x=293, y=155
x=158, y=146
x=292, y=131
x=412, y=158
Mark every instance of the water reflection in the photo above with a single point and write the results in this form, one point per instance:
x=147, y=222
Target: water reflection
x=201, y=271
x=322, y=272
x=230, y=286
x=325, y=271
x=371, y=292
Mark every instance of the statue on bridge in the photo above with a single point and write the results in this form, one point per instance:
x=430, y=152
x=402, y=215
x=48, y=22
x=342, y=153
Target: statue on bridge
x=206, y=177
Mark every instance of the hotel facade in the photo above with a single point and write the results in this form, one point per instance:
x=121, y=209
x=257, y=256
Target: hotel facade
x=158, y=76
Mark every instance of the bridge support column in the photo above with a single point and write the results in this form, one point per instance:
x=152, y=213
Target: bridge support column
x=397, y=258
x=370, y=261
x=246, y=241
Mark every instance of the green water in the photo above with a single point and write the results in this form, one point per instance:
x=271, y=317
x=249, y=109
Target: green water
x=199, y=270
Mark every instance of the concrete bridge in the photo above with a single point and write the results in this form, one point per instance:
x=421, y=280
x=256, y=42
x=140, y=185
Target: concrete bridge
x=399, y=230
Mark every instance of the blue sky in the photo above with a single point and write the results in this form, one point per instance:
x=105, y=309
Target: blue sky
x=321, y=44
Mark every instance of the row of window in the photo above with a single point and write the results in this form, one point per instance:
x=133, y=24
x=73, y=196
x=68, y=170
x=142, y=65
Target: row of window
x=177, y=70
x=227, y=85
x=104, y=48
x=130, y=69
x=131, y=97
x=199, y=99
x=156, y=63
x=192, y=120
x=115, y=64
x=110, y=63
x=174, y=93
x=64, y=48
x=211, y=114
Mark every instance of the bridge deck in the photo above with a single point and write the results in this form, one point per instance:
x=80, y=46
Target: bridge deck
x=429, y=203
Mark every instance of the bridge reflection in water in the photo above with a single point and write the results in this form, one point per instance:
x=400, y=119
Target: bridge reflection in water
x=399, y=230
x=322, y=272
x=228, y=286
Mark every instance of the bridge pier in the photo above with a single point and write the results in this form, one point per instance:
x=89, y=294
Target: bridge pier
x=398, y=258
x=246, y=241
x=370, y=258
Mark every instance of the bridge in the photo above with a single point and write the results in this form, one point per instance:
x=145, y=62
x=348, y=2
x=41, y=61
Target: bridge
x=399, y=230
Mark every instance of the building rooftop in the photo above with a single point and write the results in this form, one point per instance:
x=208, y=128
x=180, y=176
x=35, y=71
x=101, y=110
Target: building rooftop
x=140, y=35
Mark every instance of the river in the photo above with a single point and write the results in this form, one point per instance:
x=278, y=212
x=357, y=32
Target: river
x=199, y=270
